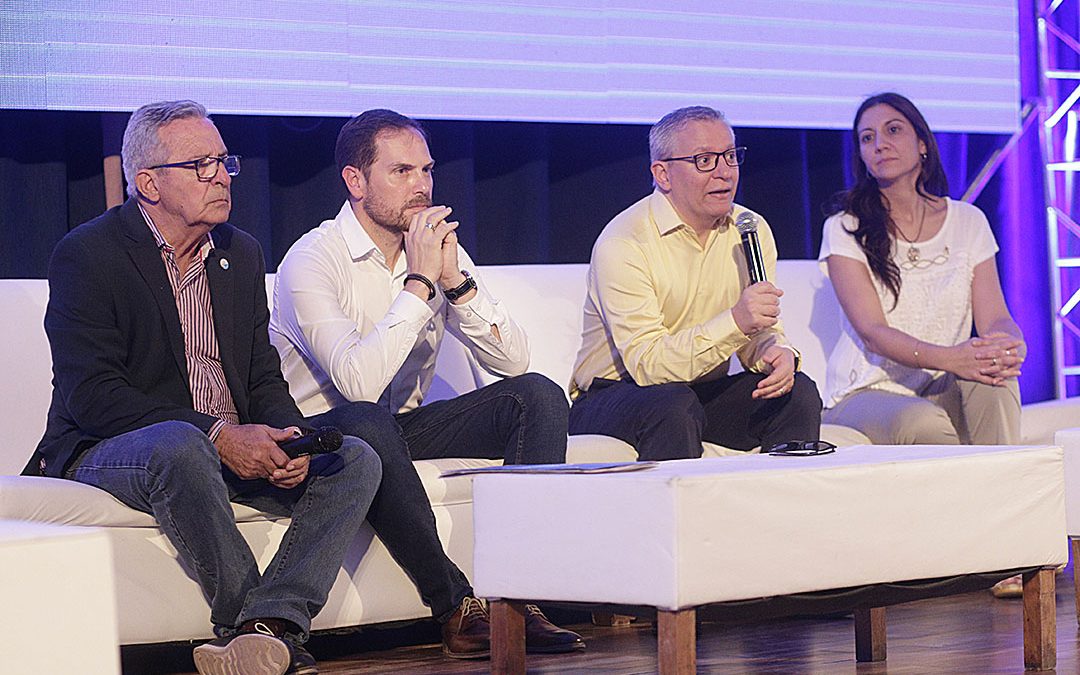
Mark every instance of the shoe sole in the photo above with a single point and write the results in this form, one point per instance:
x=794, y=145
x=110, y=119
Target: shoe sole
x=248, y=654
x=557, y=649
x=466, y=656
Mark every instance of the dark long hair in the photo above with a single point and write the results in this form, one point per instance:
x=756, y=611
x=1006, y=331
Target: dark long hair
x=876, y=230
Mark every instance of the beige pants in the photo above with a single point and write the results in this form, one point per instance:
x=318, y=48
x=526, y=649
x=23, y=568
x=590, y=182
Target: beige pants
x=949, y=412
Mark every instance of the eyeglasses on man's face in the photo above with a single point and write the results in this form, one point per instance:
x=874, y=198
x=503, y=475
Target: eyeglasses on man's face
x=708, y=161
x=206, y=167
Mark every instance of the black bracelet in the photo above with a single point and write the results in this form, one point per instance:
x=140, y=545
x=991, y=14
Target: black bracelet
x=424, y=280
x=453, y=294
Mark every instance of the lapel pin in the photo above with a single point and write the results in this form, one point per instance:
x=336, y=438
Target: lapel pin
x=224, y=262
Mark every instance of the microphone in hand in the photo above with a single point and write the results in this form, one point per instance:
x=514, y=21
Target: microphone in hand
x=746, y=224
x=313, y=442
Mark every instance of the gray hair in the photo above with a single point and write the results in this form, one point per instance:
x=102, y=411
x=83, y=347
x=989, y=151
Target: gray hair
x=662, y=134
x=142, y=146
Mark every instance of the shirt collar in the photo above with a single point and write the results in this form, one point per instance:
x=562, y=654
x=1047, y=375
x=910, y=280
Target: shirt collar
x=667, y=219
x=357, y=240
x=161, y=243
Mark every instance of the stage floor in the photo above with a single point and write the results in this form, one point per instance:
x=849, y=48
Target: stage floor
x=970, y=633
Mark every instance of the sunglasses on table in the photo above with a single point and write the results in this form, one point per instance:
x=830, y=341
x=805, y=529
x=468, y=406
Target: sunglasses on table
x=801, y=448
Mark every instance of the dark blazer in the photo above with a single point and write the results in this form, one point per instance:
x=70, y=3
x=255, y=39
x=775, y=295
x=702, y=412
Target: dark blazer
x=117, y=347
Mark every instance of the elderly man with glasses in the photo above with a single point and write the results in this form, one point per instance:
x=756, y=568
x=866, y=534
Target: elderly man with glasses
x=670, y=301
x=168, y=395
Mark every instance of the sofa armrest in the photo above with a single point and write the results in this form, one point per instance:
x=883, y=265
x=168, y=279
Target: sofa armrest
x=1040, y=421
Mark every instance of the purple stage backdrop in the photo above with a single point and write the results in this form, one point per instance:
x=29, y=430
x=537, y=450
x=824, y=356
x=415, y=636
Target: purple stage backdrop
x=785, y=65
x=766, y=63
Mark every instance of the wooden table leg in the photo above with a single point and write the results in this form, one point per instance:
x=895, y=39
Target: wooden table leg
x=1076, y=578
x=870, y=634
x=676, y=635
x=1040, y=620
x=507, y=637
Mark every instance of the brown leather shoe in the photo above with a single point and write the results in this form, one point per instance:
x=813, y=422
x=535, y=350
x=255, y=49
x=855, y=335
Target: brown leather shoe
x=467, y=633
x=544, y=637
x=259, y=647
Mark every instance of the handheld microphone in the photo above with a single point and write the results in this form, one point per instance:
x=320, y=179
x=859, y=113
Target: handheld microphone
x=746, y=224
x=326, y=439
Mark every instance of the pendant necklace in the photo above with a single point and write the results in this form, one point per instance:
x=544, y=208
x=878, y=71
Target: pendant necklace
x=913, y=250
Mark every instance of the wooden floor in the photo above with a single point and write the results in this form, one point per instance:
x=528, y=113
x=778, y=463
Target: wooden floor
x=970, y=633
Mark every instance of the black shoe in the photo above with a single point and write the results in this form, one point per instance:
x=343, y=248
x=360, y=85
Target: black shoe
x=467, y=633
x=544, y=637
x=257, y=648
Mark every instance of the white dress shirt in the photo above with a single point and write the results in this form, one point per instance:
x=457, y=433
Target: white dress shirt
x=347, y=330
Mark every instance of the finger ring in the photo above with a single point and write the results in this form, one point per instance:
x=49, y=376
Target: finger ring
x=993, y=361
x=430, y=226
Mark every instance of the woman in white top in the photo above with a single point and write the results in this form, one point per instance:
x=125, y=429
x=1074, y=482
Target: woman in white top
x=912, y=270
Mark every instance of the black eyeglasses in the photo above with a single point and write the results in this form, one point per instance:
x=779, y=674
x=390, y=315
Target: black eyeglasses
x=708, y=161
x=802, y=448
x=206, y=167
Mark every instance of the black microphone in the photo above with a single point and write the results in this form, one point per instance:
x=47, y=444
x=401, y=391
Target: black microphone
x=746, y=224
x=312, y=442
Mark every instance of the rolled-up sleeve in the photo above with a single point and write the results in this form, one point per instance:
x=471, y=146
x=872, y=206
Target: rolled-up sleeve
x=504, y=355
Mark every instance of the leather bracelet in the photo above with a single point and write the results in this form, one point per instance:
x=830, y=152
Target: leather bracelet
x=424, y=280
x=453, y=294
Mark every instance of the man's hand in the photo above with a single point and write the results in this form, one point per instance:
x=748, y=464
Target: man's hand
x=251, y=451
x=758, y=308
x=292, y=474
x=451, y=270
x=780, y=362
x=424, y=246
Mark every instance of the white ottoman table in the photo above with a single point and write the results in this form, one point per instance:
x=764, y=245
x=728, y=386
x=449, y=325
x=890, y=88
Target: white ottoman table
x=696, y=532
x=58, y=600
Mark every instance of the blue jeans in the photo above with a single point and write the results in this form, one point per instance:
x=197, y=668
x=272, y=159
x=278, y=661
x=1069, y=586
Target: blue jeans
x=172, y=471
x=521, y=420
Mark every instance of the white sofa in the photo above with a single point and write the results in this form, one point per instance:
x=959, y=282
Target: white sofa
x=158, y=601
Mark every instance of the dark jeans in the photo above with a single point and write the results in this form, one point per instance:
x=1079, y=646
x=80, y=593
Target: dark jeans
x=521, y=420
x=669, y=421
x=172, y=471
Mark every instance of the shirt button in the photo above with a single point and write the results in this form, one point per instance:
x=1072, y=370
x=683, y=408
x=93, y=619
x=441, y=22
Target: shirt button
x=468, y=314
x=431, y=325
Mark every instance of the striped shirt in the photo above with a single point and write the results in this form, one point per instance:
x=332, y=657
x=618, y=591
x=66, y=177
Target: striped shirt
x=210, y=393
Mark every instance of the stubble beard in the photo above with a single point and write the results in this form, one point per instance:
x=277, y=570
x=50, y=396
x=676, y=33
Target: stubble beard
x=384, y=215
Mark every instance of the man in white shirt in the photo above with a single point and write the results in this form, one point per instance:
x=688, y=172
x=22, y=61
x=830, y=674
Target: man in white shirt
x=360, y=307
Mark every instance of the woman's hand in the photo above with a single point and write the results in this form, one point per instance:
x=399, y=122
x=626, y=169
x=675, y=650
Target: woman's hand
x=989, y=359
x=1001, y=354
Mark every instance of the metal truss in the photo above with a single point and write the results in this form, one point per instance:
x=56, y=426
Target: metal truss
x=1059, y=94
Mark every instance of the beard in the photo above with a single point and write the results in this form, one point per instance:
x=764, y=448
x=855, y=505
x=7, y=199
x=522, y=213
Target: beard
x=390, y=217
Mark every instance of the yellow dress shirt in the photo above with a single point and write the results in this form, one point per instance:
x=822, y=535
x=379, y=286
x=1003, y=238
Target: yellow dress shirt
x=659, y=303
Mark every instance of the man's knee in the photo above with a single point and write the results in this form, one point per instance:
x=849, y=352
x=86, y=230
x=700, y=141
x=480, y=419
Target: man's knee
x=374, y=425
x=355, y=461
x=804, y=397
x=361, y=458
x=539, y=392
x=181, y=452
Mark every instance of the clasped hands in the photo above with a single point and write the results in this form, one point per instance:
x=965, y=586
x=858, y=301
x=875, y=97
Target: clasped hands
x=431, y=250
x=990, y=359
x=251, y=451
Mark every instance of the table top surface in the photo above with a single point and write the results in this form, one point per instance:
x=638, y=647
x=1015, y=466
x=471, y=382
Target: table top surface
x=717, y=468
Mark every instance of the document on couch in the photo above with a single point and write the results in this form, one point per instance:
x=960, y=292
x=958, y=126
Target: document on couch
x=596, y=467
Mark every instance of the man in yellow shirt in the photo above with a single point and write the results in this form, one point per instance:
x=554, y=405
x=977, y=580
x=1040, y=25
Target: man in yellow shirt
x=670, y=301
